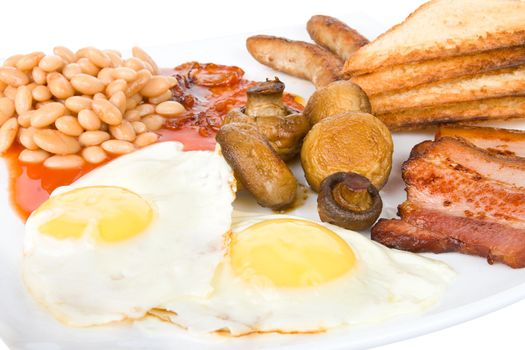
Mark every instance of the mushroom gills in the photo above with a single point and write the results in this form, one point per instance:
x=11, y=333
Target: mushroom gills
x=349, y=200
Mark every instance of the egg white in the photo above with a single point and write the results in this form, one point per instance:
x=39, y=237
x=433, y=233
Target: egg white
x=82, y=282
x=386, y=283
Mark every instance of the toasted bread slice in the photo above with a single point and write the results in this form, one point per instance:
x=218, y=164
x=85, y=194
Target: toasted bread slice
x=409, y=75
x=443, y=28
x=488, y=109
x=499, y=83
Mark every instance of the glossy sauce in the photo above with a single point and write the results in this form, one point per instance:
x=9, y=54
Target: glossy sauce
x=208, y=91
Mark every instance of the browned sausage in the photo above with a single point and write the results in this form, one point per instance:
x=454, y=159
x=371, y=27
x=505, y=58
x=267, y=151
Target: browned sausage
x=297, y=58
x=334, y=35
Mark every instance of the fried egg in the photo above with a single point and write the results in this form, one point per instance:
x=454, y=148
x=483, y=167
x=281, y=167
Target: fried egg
x=130, y=235
x=291, y=275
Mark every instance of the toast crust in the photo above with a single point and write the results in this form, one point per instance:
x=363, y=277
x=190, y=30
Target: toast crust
x=498, y=83
x=370, y=57
x=428, y=117
x=409, y=75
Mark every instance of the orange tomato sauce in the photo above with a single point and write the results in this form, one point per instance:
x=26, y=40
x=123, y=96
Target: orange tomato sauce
x=207, y=91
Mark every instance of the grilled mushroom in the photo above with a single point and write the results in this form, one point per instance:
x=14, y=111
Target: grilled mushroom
x=257, y=166
x=284, y=127
x=349, y=200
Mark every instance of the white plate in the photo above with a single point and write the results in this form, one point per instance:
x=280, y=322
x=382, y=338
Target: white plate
x=479, y=288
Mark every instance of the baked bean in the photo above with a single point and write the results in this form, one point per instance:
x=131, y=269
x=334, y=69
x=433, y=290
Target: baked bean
x=87, y=84
x=47, y=114
x=69, y=125
x=11, y=61
x=77, y=103
x=130, y=104
x=59, y=86
x=143, y=55
x=146, y=139
x=143, y=76
x=137, y=97
x=139, y=127
x=88, y=120
x=41, y=93
x=88, y=67
x=123, y=131
x=29, y=61
x=168, y=95
x=25, y=138
x=172, y=81
x=132, y=115
x=93, y=138
x=56, y=142
x=7, y=107
x=114, y=56
x=8, y=133
x=107, y=112
x=66, y=54
x=23, y=99
x=170, y=109
x=13, y=77
x=99, y=96
x=2, y=86
x=156, y=86
x=119, y=100
x=145, y=109
x=51, y=63
x=134, y=63
x=98, y=57
x=64, y=162
x=153, y=122
x=105, y=75
x=31, y=86
x=10, y=92
x=81, y=53
x=125, y=73
x=24, y=119
x=115, y=86
x=118, y=146
x=3, y=118
x=94, y=154
x=71, y=70
x=33, y=156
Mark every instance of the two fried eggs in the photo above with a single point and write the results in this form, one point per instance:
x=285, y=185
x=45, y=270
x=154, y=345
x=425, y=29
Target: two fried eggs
x=152, y=233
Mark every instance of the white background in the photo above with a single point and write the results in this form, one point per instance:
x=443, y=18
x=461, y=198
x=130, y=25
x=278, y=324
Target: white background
x=39, y=25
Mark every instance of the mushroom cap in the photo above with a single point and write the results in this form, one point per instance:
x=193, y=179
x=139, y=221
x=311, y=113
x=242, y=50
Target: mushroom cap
x=336, y=98
x=350, y=142
x=257, y=166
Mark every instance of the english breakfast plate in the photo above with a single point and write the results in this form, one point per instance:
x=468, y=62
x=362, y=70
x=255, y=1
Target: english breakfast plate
x=478, y=288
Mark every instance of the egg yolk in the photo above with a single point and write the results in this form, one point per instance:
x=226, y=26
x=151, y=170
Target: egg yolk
x=290, y=253
x=112, y=214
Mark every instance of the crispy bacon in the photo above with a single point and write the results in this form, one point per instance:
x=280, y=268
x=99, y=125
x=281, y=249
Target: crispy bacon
x=460, y=198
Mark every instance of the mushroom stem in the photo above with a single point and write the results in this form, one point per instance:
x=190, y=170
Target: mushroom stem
x=266, y=99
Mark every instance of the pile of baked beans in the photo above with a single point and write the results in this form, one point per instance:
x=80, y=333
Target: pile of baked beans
x=72, y=107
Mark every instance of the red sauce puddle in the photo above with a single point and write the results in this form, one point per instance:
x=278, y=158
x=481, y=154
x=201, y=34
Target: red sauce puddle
x=208, y=91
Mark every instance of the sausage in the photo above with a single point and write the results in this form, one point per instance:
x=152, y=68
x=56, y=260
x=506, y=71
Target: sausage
x=334, y=35
x=297, y=58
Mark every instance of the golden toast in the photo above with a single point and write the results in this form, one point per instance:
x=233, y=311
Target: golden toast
x=444, y=28
x=487, y=109
x=499, y=83
x=401, y=77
